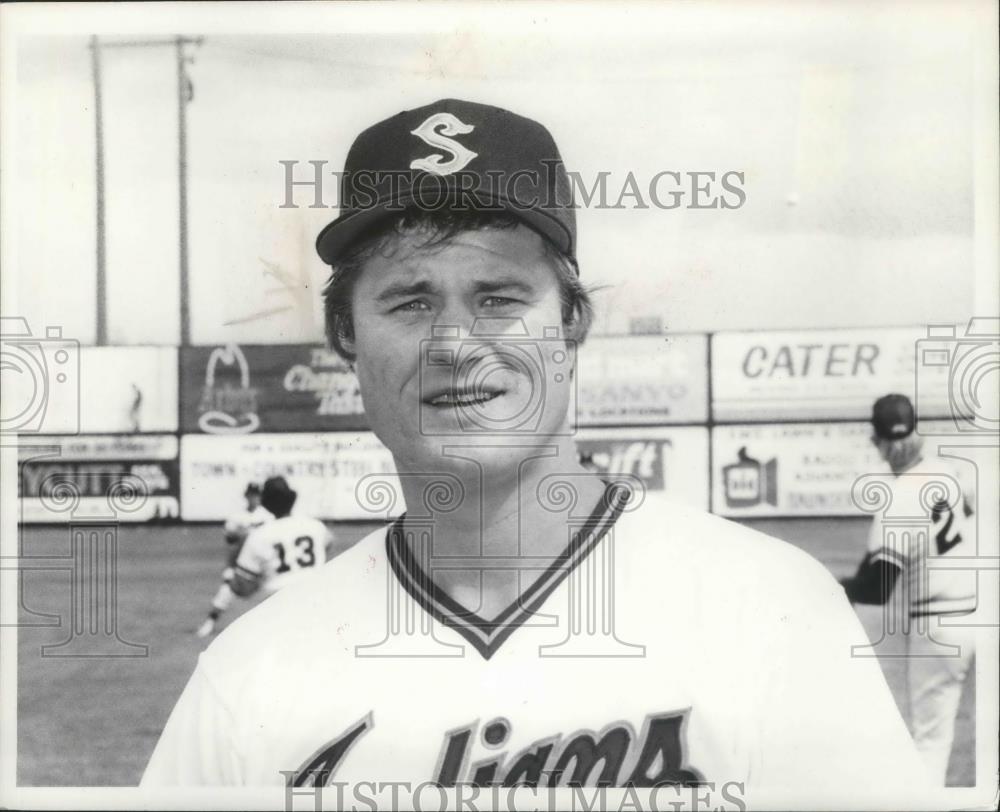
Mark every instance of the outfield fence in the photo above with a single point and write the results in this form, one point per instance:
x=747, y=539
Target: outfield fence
x=743, y=423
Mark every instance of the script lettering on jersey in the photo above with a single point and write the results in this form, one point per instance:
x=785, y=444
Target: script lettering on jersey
x=613, y=757
x=318, y=769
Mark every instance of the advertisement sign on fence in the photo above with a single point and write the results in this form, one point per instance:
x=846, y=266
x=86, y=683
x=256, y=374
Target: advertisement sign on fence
x=671, y=462
x=822, y=374
x=790, y=470
x=56, y=387
x=241, y=389
x=325, y=470
x=797, y=470
x=642, y=380
x=119, y=478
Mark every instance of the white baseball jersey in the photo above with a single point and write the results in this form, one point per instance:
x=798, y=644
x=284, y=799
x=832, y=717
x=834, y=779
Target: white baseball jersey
x=930, y=517
x=284, y=550
x=666, y=646
x=239, y=525
x=918, y=526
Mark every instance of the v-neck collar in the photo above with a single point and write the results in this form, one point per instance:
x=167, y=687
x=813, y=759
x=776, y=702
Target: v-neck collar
x=486, y=636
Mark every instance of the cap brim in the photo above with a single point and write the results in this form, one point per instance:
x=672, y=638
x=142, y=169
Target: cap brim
x=342, y=232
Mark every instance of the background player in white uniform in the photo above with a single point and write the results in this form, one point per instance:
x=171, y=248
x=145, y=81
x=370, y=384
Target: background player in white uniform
x=939, y=654
x=719, y=654
x=236, y=529
x=280, y=552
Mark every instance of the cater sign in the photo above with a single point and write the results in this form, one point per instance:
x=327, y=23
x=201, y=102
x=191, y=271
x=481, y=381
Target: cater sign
x=670, y=462
x=122, y=479
x=630, y=380
x=241, y=389
x=820, y=374
x=325, y=469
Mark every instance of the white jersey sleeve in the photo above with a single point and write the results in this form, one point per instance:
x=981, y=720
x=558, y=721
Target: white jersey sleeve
x=829, y=721
x=199, y=745
x=240, y=525
x=253, y=557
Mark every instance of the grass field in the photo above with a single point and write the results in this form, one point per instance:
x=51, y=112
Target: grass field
x=94, y=722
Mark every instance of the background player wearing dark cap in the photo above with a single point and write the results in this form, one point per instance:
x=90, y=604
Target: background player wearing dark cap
x=939, y=653
x=455, y=293
x=280, y=552
x=236, y=529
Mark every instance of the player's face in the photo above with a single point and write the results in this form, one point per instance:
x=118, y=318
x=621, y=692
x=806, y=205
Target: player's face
x=501, y=367
x=253, y=501
x=880, y=446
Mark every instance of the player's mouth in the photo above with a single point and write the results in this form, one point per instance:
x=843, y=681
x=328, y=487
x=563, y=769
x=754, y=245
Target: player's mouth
x=452, y=398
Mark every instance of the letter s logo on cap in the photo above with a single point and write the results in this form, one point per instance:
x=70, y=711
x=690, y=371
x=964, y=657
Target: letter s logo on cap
x=429, y=133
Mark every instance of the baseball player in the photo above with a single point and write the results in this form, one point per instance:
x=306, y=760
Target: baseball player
x=236, y=529
x=525, y=622
x=280, y=552
x=939, y=653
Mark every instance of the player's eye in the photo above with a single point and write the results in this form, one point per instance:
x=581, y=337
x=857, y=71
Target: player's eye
x=412, y=306
x=499, y=301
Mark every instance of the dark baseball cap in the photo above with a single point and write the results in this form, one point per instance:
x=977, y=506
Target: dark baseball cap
x=456, y=155
x=277, y=485
x=893, y=417
x=277, y=496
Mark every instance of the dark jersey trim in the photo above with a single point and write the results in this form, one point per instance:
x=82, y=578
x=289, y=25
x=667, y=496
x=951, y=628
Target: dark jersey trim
x=968, y=607
x=486, y=636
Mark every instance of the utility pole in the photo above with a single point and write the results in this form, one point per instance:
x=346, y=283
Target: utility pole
x=102, y=282
x=184, y=95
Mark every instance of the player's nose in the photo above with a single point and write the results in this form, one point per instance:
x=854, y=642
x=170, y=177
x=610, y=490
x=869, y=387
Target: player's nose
x=454, y=321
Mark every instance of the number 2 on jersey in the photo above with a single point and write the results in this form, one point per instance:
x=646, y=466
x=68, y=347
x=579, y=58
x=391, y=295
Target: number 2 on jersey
x=942, y=518
x=306, y=557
